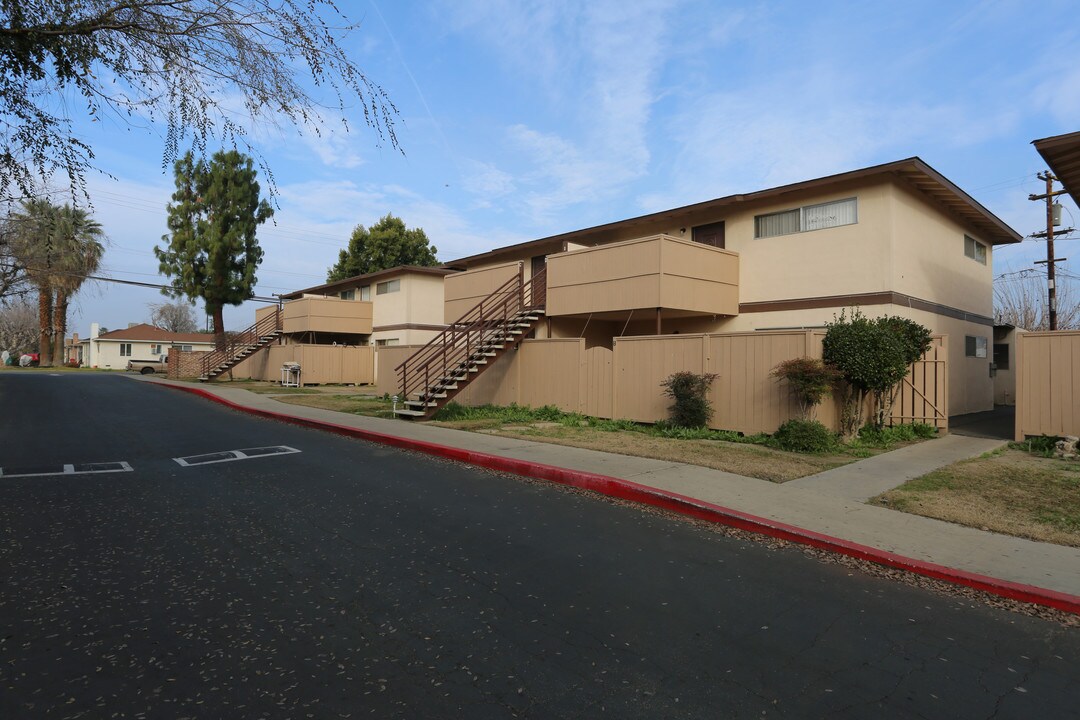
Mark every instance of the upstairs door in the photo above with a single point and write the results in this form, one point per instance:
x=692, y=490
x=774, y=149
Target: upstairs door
x=539, y=289
x=711, y=234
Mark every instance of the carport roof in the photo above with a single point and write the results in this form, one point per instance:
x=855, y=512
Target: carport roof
x=1062, y=154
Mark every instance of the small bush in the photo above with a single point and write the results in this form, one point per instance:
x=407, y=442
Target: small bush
x=884, y=437
x=1041, y=445
x=804, y=436
x=691, y=394
x=924, y=431
x=810, y=380
x=614, y=425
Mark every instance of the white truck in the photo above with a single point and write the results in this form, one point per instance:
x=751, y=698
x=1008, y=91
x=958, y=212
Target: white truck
x=149, y=367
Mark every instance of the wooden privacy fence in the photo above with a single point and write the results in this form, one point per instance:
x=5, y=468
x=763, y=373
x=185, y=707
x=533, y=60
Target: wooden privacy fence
x=1048, y=383
x=625, y=382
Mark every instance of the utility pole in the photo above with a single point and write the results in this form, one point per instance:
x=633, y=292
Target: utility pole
x=1050, y=260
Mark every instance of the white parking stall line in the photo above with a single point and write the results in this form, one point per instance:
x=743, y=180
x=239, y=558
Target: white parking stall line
x=234, y=455
x=66, y=469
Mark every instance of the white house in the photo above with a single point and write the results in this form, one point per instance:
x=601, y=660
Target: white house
x=137, y=342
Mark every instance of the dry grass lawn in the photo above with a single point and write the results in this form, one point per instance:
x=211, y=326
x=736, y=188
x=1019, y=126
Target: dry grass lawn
x=1010, y=492
x=749, y=460
x=353, y=404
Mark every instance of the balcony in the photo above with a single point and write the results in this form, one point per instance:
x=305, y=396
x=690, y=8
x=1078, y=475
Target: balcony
x=325, y=315
x=462, y=291
x=683, y=278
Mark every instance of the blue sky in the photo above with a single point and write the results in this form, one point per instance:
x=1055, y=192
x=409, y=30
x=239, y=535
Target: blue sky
x=525, y=119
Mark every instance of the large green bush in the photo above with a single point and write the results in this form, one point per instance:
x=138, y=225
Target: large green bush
x=690, y=391
x=804, y=436
x=873, y=357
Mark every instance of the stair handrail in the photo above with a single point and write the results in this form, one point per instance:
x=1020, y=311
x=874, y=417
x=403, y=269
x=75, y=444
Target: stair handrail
x=248, y=338
x=455, y=345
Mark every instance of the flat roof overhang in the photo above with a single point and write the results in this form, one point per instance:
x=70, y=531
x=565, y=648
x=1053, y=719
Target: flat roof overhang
x=1062, y=154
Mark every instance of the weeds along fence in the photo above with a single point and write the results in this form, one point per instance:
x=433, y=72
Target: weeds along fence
x=624, y=382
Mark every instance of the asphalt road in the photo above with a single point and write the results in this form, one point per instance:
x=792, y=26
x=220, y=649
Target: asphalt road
x=349, y=580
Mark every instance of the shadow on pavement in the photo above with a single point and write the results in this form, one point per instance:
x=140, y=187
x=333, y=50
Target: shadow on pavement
x=998, y=424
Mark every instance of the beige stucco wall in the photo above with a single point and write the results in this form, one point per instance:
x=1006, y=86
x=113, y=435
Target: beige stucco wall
x=1005, y=378
x=419, y=302
x=928, y=257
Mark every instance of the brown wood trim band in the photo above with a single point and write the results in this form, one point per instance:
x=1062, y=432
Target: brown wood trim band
x=408, y=326
x=879, y=298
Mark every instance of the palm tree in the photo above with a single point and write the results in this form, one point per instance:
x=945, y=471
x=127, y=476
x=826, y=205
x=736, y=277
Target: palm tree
x=58, y=247
x=79, y=254
x=32, y=246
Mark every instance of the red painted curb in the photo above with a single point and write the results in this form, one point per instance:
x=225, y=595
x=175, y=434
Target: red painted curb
x=634, y=492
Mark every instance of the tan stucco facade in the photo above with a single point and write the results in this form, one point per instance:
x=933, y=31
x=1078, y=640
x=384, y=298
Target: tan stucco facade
x=904, y=252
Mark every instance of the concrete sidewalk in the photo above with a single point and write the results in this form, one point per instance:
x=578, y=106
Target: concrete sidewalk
x=829, y=503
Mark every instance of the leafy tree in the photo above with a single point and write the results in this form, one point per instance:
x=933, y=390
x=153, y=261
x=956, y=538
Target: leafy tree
x=873, y=357
x=185, y=64
x=79, y=253
x=212, y=251
x=176, y=317
x=388, y=243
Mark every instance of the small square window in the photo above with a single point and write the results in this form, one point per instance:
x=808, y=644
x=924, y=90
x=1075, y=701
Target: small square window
x=974, y=249
x=348, y=294
x=975, y=346
x=125, y=349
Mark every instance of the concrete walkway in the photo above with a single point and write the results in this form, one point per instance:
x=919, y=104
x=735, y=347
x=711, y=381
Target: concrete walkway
x=830, y=503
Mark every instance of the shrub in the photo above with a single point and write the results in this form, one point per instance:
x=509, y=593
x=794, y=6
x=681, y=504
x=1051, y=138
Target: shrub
x=804, y=436
x=691, y=394
x=1041, y=445
x=873, y=356
x=810, y=380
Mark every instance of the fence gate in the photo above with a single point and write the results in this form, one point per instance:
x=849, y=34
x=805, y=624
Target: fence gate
x=923, y=396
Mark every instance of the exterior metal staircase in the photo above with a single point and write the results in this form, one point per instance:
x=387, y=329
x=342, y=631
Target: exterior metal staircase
x=433, y=375
x=241, y=346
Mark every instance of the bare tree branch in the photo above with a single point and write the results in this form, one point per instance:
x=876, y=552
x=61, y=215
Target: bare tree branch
x=175, y=62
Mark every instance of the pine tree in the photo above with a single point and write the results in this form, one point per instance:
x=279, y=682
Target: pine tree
x=212, y=250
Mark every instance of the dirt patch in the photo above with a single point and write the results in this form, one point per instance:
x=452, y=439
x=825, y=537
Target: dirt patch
x=1010, y=492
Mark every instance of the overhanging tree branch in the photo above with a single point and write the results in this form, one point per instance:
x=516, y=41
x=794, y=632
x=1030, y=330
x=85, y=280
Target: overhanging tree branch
x=178, y=63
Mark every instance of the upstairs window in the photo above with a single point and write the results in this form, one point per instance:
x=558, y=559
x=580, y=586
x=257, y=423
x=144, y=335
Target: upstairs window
x=348, y=294
x=807, y=218
x=365, y=292
x=390, y=286
x=974, y=249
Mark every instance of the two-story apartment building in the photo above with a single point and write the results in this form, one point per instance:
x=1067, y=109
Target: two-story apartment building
x=402, y=306
x=897, y=239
